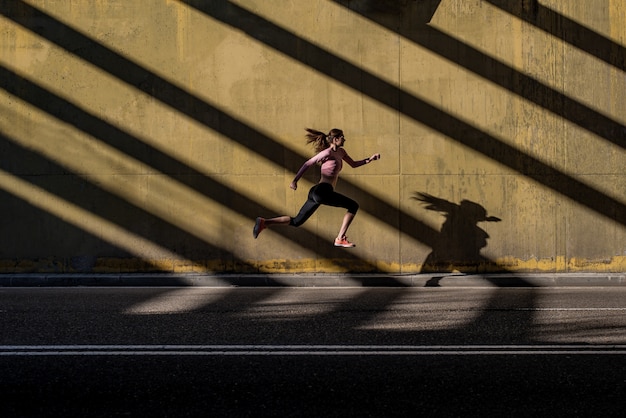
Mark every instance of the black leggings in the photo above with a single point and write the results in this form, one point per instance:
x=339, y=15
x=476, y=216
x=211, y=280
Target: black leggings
x=323, y=194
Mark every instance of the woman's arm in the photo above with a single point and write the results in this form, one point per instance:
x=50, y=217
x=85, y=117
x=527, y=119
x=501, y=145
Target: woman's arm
x=314, y=160
x=305, y=167
x=355, y=164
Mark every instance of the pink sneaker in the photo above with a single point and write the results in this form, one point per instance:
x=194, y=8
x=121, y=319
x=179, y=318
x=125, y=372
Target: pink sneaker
x=343, y=242
x=258, y=227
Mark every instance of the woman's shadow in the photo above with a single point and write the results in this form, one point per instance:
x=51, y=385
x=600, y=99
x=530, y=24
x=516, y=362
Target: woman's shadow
x=460, y=240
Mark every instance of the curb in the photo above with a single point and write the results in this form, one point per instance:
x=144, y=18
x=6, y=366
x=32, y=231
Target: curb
x=314, y=280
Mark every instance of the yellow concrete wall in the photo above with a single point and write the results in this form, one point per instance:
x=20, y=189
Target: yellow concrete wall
x=146, y=135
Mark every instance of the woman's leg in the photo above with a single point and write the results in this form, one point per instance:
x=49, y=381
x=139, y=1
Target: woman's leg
x=279, y=220
x=309, y=207
x=262, y=223
x=338, y=200
x=321, y=193
x=347, y=220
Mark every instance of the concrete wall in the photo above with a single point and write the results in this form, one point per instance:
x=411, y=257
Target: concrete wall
x=147, y=135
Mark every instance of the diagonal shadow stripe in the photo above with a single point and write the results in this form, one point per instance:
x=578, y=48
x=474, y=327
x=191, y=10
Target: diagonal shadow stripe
x=132, y=146
x=503, y=75
x=567, y=30
x=204, y=113
x=362, y=81
x=90, y=197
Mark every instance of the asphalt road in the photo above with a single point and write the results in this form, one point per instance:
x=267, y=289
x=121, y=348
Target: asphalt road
x=237, y=352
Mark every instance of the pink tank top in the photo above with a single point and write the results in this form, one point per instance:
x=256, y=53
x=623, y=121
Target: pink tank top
x=332, y=161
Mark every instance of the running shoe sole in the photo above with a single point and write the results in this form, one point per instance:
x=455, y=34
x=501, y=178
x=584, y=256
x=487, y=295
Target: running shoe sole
x=346, y=245
x=259, y=226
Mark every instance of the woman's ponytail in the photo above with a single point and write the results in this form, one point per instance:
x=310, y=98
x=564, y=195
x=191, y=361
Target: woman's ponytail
x=317, y=138
x=320, y=140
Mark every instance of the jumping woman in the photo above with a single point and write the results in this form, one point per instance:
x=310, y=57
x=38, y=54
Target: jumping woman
x=331, y=155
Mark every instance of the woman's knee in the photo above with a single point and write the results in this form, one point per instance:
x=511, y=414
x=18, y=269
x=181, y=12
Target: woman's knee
x=353, y=207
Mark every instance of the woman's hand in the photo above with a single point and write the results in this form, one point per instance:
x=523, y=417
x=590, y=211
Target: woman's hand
x=375, y=157
x=294, y=185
